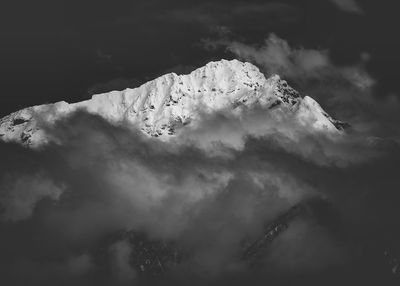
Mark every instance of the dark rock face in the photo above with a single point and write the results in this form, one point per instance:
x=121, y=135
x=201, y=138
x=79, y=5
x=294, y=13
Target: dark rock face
x=288, y=94
x=19, y=121
x=254, y=250
x=340, y=124
x=153, y=260
x=152, y=257
x=146, y=256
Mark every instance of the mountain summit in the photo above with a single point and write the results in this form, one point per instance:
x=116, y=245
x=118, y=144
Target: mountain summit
x=159, y=106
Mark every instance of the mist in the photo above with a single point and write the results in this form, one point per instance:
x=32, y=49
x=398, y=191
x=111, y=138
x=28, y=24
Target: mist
x=213, y=186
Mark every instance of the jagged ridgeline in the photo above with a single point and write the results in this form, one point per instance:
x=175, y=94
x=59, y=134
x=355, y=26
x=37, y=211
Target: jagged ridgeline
x=163, y=105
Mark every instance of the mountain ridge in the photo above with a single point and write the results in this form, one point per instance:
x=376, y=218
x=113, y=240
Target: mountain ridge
x=159, y=106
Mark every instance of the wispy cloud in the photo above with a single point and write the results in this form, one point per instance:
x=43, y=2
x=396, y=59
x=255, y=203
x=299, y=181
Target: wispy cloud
x=19, y=194
x=350, y=6
x=345, y=91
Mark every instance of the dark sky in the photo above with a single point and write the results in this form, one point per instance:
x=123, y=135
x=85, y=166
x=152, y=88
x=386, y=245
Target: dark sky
x=66, y=50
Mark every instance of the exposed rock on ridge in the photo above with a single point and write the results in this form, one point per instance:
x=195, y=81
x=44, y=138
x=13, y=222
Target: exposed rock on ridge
x=159, y=106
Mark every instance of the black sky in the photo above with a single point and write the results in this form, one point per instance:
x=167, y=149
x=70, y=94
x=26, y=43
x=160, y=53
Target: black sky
x=66, y=50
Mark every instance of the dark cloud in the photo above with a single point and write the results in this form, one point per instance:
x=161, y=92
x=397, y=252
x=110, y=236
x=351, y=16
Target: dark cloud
x=121, y=252
x=207, y=202
x=313, y=251
x=284, y=132
x=18, y=204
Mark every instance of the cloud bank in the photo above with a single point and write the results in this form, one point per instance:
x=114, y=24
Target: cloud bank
x=216, y=185
x=68, y=211
x=347, y=92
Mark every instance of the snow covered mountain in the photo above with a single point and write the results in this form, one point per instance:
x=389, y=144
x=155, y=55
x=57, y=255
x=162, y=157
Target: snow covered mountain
x=159, y=106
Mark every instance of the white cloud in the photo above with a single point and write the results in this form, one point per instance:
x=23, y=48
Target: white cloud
x=346, y=92
x=276, y=56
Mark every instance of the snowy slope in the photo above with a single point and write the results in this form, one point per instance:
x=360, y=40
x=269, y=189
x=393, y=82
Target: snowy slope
x=159, y=106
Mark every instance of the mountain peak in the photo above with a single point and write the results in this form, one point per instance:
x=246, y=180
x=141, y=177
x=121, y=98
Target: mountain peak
x=161, y=105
